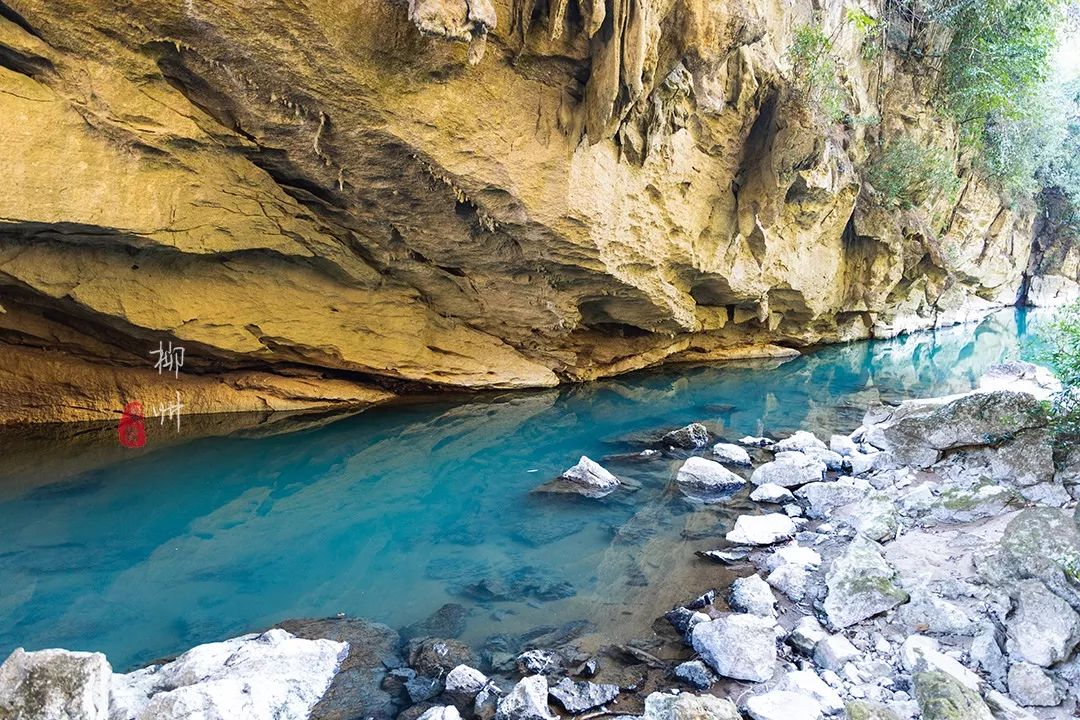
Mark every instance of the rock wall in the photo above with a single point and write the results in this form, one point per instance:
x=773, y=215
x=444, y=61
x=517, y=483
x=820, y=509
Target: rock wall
x=1054, y=272
x=331, y=202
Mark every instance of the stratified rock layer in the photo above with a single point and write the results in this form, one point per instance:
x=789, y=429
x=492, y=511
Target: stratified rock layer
x=327, y=204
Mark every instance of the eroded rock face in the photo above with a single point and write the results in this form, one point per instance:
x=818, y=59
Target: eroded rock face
x=327, y=205
x=54, y=685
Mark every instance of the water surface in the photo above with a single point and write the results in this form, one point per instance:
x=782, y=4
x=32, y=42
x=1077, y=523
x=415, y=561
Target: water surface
x=393, y=512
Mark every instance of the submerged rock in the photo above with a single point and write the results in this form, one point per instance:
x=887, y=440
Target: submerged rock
x=742, y=646
x=691, y=437
x=447, y=622
x=256, y=677
x=731, y=454
x=587, y=478
x=707, y=480
x=761, y=529
x=789, y=470
x=860, y=584
x=527, y=701
x=578, y=697
x=55, y=685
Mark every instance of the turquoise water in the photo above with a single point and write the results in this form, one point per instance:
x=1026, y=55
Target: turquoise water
x=391, y=513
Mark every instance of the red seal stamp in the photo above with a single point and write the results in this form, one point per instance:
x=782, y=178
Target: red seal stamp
x=131, y=430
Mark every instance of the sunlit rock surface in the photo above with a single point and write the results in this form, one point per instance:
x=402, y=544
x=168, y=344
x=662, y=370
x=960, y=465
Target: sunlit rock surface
x=326, y=204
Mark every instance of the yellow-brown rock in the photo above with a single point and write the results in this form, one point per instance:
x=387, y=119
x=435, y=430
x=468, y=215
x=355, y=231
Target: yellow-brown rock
x=330, y=202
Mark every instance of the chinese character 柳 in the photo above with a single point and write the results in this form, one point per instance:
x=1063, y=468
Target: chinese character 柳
x=169, y=359
x=170, y=410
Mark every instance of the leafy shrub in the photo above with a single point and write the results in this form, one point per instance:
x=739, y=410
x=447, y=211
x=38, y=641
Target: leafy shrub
x=871, y=28
x=1061, y=341
x=815, y=71
x=908, y=175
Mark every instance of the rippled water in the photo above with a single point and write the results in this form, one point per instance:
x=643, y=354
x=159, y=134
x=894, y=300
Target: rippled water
x=391, y=513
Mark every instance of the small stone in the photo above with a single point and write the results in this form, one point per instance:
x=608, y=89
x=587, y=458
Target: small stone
x=793, y=511
x=465, y=682
x=799, y=442
x=441, y=712
x=752, y=441
x=789, y=470
x=807, y=682
x=752, y=595
x=589, y=478
x=705, y=479
x=731, y=454
x=527, y=701
x=862, y=710
x=691, y=437
x=742, y=647
x=578, y=697
x=771, y=493
x=783, y=705
x=792, y=580
x=1030, y=686
x=539, y=662
x=761, y=529
x=843, y=445
x=834, y=651
x=696, y=674
x=806, y=635
x=862, y=463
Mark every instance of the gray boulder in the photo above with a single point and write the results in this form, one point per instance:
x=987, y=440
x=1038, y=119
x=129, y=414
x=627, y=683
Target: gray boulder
x=810, y=684
x=860, y=584
x=1030, y=686
x=800, y=442
x=834, y=651
x=942, y=697
x=752, y=595
x=863, y=710
x=464, y=683
x=695, y=673
x=577, y=697
x=783, y=705
x=806, y=634
x=731, y=454
x=761, y=529
x=54, y=685
x=789, y=469
x=691, y=437
x=770, y=493
x=256, y=677
x=527, y=701
x=826, y=497
x=1043, y=628
x=741, y=646
x=687, y=706
x=587, y=478
x=706, y=480
x=441, y=712
x=918, y=432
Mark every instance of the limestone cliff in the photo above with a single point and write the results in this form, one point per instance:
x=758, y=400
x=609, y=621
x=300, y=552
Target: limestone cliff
x=330, y=202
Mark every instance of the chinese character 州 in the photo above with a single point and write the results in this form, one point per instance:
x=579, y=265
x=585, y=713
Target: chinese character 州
x=170, y=359
x=171, y=410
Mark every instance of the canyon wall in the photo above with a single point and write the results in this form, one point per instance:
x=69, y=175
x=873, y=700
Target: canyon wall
x=335, y=202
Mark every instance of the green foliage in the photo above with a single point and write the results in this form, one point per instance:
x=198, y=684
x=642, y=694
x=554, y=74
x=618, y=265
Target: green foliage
x=871, y=28
x=908, y=175
x=1061, y=340
x=1060, y=168
x=998, y=58
x=815, y=71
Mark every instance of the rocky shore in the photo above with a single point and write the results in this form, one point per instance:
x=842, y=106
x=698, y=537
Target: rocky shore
x=927, y=565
